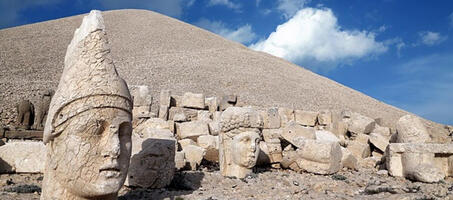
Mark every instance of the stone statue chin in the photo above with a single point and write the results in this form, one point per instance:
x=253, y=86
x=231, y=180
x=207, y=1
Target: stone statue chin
x=88, y=128
x=240, y=153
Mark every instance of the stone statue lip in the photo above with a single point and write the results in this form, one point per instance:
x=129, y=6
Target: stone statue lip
x=115, y=167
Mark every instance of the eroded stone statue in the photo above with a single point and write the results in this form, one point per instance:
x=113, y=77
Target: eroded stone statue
x=25, y=114
x=239, y=141
x=88, y=130
x=42, y=109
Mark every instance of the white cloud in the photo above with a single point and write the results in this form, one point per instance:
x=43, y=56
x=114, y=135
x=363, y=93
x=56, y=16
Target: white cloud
x=243, y=34
x=431, y=38
x=226, y=3
x=450, y=17
x=172, y=8
x=313, y=38
x=398, y=43
x=290, y=7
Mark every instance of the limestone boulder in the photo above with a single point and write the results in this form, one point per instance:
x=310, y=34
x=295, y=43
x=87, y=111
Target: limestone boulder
x=271, y=118
x=411, y=130
x=295, y=133
x=326, y=136
x=214, y=128
x=358, y=123
x=286, y=115
x=358, y=149
x=141, y=95
x=192, y=129
x=164, y=103
x=180, y=161
x=306, y=118
x=379, y=141
x=319, y=157
x=22, y=157
x=185, y=142
x=178, y=114
x=227, y=101
x=204, y=116
x=325, y=117
x=211, y=145
x=192, y=100
x=194, y=155
x=212, y=103
x=348, y=160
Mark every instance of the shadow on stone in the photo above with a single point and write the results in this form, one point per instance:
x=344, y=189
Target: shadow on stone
x=5, y=167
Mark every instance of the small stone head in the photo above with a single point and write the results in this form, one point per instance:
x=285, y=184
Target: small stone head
x=245, y=149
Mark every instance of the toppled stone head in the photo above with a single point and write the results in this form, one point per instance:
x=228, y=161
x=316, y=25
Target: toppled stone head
x=239, y=141
x=88, y=128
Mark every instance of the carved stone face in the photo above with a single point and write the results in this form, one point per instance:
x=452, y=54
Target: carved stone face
x=91, y=156
x=245, y=149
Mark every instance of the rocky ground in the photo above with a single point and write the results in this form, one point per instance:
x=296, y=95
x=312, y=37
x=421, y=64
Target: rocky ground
x=264, y=184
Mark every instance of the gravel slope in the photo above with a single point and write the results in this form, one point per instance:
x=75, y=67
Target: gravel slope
x=164, y=53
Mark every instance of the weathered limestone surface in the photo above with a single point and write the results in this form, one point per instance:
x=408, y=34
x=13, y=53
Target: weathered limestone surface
x=348, y=160
x=240, y=117
x=142, y=101
x=211, y=144
x=194, y=155
x=286, y=115
x=25, y=114
x=319, y=157
x=358, y=149
x=164, y=103
x=325, y=117
x=411, y=130
x=326, y=136
x=212, y=103
x=180, y=161
x=22, y=157
x=178, y=114
x=379, y=141
x=306, y=118
x=90, y=121
x=294, y=133
x=153, y=158
x=185, y=142
x=358, y=123
x=192, y=129
x=192, y=100
x=41, y=110
x=273, y=144
x=271, y=118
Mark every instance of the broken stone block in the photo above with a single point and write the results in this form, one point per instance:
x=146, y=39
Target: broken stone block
x=339, y=128
x=180, y=161
x=286, y=115
x=319, y=157
x=216, y=116
x=378, y=141
x=227, y=101
x=306, y=118
x=273, y=144
x=411, y=130
x=419, y=161
x=141, y=112
x=192, y=129
x=368, y=163
x=289, y=160
x=153, y=159
x=358, y=149
x=383, y=131
x=211, y=144
x=141, y=95
x=326, y=136
x=358, y=123
x=192, y=100
x=204, y=116
x=362, y=138
x=212, y=103
x=271, y=118
x=178, y=114
x=240, y=117
x=185, y=142
x=165, y=98
x=348, y=160
x=175, y=101
x=325, y=117
x=214, y=128
x=22, y=157
x=153, y=123
x=194, y=155
x=163, y=112
x=264, y=156
x=294, y=133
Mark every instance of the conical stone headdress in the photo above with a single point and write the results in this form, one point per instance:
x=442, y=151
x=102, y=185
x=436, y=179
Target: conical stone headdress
x=89, y=79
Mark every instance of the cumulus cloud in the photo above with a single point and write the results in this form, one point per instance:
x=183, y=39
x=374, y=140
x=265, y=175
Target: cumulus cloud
x=10, y=12
x=290, y=7
x=431, y=38
x=243, y=34
x=226, y=3
x=172, y=8
x=313, y=38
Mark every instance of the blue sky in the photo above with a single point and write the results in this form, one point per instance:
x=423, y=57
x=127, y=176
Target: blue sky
x=397, y=51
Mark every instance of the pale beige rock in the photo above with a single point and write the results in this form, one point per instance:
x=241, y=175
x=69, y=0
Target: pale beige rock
x=227, y=101
x=361, y=138
x=340, y=129
x=326, y=136
x=204, y=116
x=142, y=112
x=240, y=117
x=192, y=129
x=185, y=142
x=22, y=157
x=178, y=114
x=194, y=155
x=141, y=95
x=411, y=130
x=358, y=149
x=348, y=160
x=286, y=115
x=358, y=123
x=90, y=121
x=306, y=118
x=212, y=103
x=163, y=112
x=273, y=144
x=383, y=131
x=180, y=161
x=325, y=117
x=418, y=161
x=153, y=123
x=211, y=144
x=216, y=116
x=165, y=98
x=271, y=118
x=319, y=157
x=214, y=128
x=379, y=141
x=264, y=156
x=192, y=100
x=153, y=159
x=294, y=133
x=239, y=141
x=175, y=101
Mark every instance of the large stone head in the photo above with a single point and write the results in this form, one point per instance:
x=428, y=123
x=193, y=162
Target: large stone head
x=88, y=130
x=245, y=149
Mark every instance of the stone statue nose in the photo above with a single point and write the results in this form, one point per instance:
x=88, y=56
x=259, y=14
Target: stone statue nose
x=112, y=149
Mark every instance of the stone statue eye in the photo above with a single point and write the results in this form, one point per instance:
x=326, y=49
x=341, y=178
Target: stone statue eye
x=245, y=139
